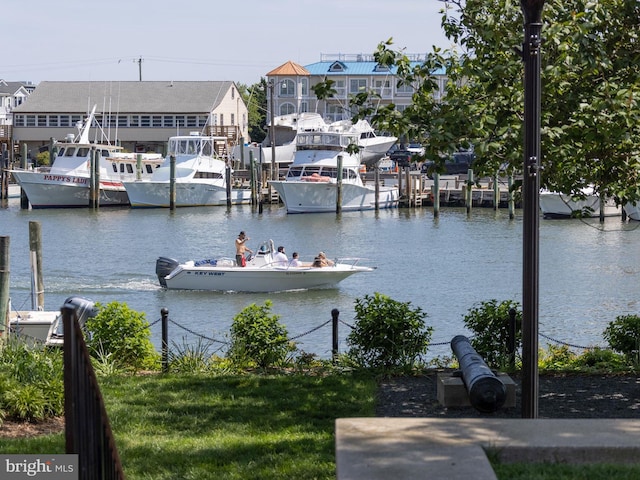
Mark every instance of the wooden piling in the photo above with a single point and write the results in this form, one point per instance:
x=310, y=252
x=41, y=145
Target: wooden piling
x=24, y=201
x=436, y=195
x=339, y=186
x=511, y=200
x=469, y=193
x=4, y=283
x=172, y=182
x=35, y=248
x=496, y=192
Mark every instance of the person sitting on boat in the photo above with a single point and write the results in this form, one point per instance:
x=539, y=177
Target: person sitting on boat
x=241, y=249
x=322, y=261
x=295, y=262
x=280, y=259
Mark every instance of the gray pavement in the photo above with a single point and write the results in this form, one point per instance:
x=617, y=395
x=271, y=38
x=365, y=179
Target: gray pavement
x=439, y=448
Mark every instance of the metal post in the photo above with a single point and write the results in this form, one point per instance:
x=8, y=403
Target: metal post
x=227, y=179
x=334, y=346
x=511, y=341
x=4, y=282
x=376, y=179
x=164, y=312
x=252, y=179
x=24, y=201
x=532, y=10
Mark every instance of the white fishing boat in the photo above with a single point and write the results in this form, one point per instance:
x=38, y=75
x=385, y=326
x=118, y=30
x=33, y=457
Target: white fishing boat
x=373, y=147
x=45, y=327
x=67, y=183
x=311, y=184
x=261, y=273
x=559, y=205
x=200, y=177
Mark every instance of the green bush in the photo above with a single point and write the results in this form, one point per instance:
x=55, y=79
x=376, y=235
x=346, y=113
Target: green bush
x=123, y=336
x=600, y=360
x=258, y=339
x=31, y=381
x=623, y=335
x=489, y=322
x=556, y=357
x=388, y=334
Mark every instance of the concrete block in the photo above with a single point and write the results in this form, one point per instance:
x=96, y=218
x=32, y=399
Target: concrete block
x=452, y=393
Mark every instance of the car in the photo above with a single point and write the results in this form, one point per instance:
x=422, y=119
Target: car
x=401, y=158
x=416, y=149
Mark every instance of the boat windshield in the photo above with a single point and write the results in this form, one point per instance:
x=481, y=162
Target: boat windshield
x=325, y=140
x=191, y=146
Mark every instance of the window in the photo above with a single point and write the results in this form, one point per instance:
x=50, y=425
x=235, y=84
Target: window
x=65, y=121
x=31, y=120
x=222, y=119
x=304, y=87
x=233, y=93
x=122, y=121
x=82, y=152
x=41, y=120
x=156, y=120
x=168, y=121
x=129, y=168
x=337, y=67
x=304, y=107
x=53, y=120
x=135, y=121
x=357, y=85
x=287, y=108
x=233, y=119
x=287, y=88
x=180, y=121
x=340, y=89
x=382, y=87
x=114, y=167
x=145, y=121
x=404, y=89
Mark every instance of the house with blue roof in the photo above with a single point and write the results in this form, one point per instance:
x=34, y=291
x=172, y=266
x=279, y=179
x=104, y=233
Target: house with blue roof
x=291, y=85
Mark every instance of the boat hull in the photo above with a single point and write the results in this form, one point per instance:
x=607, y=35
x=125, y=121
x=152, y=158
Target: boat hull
x=556, y=205
x=45, y=190
x=149, y=194
x=311, y=197
x=633, y=211
x=256, y=280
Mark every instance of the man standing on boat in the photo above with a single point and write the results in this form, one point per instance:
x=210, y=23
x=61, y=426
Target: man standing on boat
x=241, y=248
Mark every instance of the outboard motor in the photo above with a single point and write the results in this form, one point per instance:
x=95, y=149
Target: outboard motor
x=83, y=307
x=164, y=266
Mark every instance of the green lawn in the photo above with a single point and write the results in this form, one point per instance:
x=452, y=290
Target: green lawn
x=178, y=427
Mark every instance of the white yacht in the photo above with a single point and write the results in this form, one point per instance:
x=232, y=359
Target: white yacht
x=67, y=183
x=200, y=176
x=312, y=183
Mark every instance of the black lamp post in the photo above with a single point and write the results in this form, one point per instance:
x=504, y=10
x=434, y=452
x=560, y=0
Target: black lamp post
x=532, y=10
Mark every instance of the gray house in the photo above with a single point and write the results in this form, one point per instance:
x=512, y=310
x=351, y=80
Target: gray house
x=140, y=116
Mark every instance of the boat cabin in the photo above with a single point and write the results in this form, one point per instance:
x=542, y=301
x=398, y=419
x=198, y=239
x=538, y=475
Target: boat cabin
x=196, y=144
x=325, y=141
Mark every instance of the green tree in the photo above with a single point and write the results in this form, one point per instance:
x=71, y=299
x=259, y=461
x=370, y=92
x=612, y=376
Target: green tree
x=590, y=91
x=255, y=97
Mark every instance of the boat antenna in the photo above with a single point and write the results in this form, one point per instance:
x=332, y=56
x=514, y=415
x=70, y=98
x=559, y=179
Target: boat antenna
x=83, y=136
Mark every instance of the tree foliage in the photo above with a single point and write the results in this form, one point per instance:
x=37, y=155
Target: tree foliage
x=590, y=75
x=255, y=97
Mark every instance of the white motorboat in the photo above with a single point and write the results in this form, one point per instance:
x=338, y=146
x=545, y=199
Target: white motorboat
x=200, y=177
x=632, y=211
x=260, y=274
x=372, y=147
x=311, y=184
x=67, y=182
x=46, y=327
x=559, y=205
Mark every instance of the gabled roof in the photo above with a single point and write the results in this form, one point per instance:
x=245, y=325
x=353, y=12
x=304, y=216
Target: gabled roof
x=126, y=97
x=290, y=69
x=356, y=68
x=10, y=88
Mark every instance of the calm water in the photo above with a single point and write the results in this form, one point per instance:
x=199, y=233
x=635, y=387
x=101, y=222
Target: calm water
x=588, y=274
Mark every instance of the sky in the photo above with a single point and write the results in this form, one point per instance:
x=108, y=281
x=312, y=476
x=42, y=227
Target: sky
x=118, y=40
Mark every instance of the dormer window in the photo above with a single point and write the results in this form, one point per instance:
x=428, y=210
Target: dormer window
x=337, y=67
x=381, y=68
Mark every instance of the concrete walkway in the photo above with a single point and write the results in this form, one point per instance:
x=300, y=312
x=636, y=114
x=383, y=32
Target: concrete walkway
x=452, y=449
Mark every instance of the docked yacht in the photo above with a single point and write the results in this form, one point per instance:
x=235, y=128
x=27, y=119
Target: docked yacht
x=559, y=205
x=68, y=182
x=312, y=183
x=372, y=146
x=200, y=176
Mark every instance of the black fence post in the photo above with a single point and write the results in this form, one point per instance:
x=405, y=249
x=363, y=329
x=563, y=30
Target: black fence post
x=511, y=339
x=165, y=335
x=334, y=349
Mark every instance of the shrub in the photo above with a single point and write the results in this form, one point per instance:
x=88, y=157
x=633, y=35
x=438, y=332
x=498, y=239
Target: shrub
x=599, y=359
x=388, y=334
x=489, y=322
x=556, y=357
x=123, y=336
x=257, y=338
x=623, y=335
x=31, y=381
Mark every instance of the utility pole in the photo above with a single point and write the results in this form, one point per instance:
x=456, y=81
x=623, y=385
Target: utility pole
x=139, y=62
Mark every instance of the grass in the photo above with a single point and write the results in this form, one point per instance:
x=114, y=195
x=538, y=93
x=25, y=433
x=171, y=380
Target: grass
x=235, y=427
x=183, y=427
